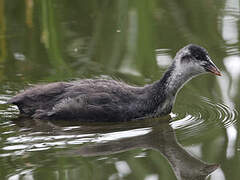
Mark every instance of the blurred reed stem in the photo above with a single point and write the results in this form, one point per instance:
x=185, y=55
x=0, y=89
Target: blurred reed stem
x=3, y=51
x=51, y=37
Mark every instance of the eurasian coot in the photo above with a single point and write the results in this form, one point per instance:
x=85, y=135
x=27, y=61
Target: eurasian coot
x=109, y=100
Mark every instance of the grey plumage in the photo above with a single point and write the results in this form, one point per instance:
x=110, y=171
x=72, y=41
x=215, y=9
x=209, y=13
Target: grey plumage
x=110, y=100
x=89, y=99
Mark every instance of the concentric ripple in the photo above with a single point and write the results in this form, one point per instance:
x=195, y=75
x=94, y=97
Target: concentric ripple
x=202, y=116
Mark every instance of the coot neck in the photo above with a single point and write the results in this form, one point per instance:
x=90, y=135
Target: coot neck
x=172, y=81
x=161, y=94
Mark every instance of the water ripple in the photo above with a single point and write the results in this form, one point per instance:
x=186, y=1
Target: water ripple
x=203, y=116
x=5, y=110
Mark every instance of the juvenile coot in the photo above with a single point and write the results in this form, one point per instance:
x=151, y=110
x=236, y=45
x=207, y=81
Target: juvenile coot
x=110, y=100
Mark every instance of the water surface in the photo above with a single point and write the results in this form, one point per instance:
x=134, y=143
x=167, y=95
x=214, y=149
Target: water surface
x=55, y=40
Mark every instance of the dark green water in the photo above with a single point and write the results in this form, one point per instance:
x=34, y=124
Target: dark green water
x=54, y=40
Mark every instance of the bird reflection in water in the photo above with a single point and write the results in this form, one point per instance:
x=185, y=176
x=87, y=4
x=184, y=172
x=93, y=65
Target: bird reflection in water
x=160, y=137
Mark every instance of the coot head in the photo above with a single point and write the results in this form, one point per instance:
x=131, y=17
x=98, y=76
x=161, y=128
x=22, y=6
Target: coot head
x=195, y=60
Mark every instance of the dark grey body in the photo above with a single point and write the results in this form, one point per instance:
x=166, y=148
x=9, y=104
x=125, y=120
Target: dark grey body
x=90, y=100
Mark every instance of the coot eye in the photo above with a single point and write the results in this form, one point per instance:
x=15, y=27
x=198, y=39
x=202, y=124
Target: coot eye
x=201, y=57
x=197, y=56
